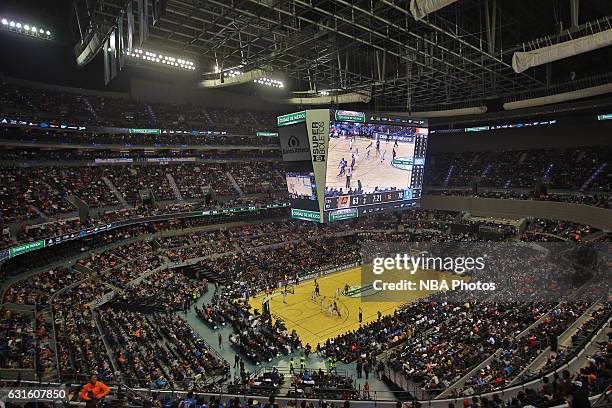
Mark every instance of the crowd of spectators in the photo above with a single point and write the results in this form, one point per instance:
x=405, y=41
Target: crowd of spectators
x=263, y=269
x=23, y=102
x=596, y=200
x=113, y=257
x=87, y=138
x=321, y=384
x=37, y=289
x=266, y=383
x=158, y=351
x=17, y=339
x=163, y=290
x=260, y=177
x=552, y=229
x=262, y=254
x=39, y=154
x=79, y=344
x=436, y=360
x=567, y=169
x=23, y=190
x=516, y=353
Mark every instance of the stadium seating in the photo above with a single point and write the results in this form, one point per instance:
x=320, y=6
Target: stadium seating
x=569, y=169
x=115, y=303
x=35, y=104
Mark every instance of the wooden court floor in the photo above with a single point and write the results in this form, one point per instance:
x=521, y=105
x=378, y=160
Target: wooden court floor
x=314, y=325
x=370, y=170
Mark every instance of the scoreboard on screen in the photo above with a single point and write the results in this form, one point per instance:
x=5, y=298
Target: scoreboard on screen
x=343, y=164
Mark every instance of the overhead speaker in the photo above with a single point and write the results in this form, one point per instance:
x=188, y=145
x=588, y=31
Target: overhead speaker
x=86, y=51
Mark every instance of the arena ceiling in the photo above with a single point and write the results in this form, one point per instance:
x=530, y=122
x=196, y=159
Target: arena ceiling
x=457, y=56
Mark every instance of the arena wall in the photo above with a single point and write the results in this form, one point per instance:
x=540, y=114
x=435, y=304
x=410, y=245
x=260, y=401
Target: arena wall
x=583, y=214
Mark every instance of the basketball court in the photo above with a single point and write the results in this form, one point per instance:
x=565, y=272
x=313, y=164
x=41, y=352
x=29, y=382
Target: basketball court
x=314, y=325
x=368, y=168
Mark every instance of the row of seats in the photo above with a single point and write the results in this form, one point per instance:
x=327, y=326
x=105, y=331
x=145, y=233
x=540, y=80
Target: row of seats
x=32, y=192
x=569, y=169
x=83, y=139
x=96, y=110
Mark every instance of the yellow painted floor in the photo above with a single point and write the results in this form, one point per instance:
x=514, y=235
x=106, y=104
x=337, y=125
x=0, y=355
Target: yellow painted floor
x=315, y=326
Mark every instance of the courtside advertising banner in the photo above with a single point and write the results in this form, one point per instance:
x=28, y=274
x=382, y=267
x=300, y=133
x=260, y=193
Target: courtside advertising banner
x=317, y=124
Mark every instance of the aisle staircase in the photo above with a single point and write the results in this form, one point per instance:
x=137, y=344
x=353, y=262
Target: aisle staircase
x=116, y=192
x=89, y=106
x=150, y=113
x=234, y=183
x=174, y=186
x=448, y=176
x=49, y=322
x=593, y=176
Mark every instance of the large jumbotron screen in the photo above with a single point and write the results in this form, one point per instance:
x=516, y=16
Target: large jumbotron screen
x=341, y=165
x=373, y=167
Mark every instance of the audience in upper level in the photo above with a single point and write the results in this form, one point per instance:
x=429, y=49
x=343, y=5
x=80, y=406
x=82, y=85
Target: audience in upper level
x=24, y=102
x=581, y=168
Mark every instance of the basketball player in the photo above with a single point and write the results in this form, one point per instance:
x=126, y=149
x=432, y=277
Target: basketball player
x=382, y=157
x=377, y=147
x=394, y=154
x=368, y=148
x=350, y=144
x=360, y=315
x=336, y=309
x=342, y=167
x=321, y=302
x=353, y=161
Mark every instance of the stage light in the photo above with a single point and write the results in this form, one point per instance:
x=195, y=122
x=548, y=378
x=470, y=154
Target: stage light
x=12, y=24
x=18, y=25
x=48, y=32
x=26, y=27
x=161, y=59
x=4, y=21
x=33, y=29
x=41, y=31
x=275, y=83
x=232, y=73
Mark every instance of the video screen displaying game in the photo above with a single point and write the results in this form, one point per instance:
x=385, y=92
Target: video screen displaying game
x=300, y=185
x=372, y=167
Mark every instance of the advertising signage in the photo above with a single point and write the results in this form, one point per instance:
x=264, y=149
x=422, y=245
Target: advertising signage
x=350, y=116
x=291, y=118
x=306, y=215
x=22, y=249
x=145, y=131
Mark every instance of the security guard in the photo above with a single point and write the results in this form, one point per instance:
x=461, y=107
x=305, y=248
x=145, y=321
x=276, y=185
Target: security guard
x=302, y=362
x=292, y=366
